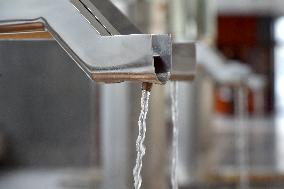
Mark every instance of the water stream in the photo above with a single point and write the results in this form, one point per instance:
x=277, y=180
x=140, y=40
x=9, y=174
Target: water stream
x=140, y=148
x=174, y=89
x=242, y=137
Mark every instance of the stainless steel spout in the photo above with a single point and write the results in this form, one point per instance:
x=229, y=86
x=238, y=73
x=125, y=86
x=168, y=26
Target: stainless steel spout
x=93, y=42
x=183, y=54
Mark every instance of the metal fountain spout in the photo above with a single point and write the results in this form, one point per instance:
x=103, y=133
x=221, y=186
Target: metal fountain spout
x=95, y=42
x=183, y=54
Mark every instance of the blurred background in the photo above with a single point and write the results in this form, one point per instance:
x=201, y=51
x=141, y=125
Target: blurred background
x=58, y=129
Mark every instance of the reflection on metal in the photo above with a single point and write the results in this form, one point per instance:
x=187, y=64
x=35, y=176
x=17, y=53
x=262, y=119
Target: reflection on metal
x=27, y=27
x=81, y=30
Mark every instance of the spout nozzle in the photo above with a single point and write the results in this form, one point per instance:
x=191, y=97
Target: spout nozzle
x=147, y=86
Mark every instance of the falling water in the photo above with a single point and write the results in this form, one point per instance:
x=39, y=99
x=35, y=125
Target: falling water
x=242, y=137
x=140, y=148
x=174, y=88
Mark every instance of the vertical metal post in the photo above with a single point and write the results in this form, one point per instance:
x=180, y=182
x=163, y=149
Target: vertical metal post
x=115, y=134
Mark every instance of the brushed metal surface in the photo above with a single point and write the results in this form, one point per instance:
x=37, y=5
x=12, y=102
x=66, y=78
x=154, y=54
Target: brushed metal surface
x=125, y=55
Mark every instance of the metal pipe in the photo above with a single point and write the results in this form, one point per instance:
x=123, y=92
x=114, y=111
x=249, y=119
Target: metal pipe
x=183, y=54
x=87, y=36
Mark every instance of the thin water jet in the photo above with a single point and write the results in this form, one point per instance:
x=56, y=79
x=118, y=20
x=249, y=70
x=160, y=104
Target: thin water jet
x=174, y=104
x=140, y=148
x=242, y=136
